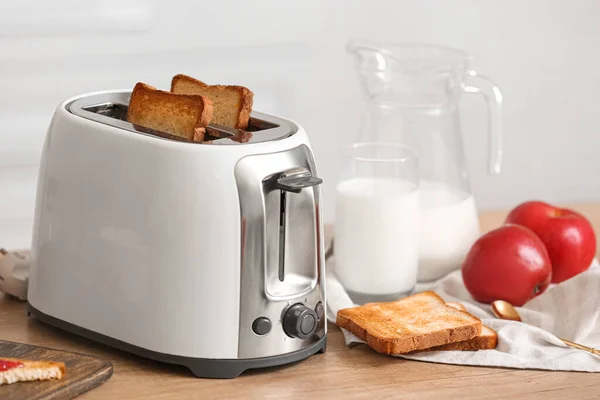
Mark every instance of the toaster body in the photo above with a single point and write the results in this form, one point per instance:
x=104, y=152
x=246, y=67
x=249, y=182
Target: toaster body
x=207, y=255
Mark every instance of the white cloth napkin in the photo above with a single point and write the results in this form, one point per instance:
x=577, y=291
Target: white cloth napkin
x=570, y=310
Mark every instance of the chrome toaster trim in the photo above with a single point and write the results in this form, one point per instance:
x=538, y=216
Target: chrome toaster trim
x=259, y=242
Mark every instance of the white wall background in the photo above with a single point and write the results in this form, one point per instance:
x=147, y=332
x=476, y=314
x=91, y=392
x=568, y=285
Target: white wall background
x=544, y=55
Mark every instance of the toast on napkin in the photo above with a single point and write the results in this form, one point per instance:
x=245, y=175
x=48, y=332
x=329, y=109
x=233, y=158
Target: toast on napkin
x=178, y=114
x=417, y=322
x=17, y=370
x=232, y=104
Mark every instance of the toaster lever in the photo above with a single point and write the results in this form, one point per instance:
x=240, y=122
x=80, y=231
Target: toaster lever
x=295, y=183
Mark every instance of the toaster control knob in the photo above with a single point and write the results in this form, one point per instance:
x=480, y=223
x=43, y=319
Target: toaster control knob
x=300, y=321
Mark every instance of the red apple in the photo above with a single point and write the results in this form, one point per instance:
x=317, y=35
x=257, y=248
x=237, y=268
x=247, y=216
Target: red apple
x=509, y=263
x=567, y=235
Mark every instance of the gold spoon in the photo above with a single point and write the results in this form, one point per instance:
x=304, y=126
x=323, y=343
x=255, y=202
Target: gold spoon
x=505, y=310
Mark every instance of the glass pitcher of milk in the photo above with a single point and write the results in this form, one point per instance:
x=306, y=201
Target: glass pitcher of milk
x=412, y=97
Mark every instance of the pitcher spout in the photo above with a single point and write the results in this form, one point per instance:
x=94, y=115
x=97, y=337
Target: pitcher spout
x=368, y=54
x=372, y=63
x=414, y=74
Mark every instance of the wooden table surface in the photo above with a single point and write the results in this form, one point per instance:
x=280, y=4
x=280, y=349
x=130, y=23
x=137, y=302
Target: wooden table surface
x=340, y=373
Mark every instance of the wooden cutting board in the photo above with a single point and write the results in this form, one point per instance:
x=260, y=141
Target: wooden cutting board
x=83, y=373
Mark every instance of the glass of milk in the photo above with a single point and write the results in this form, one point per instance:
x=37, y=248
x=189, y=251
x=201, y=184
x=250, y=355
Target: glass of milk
x=377, y=222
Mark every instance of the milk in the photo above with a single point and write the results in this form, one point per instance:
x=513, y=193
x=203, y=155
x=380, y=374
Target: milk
x=449, y=227
x=377, y=237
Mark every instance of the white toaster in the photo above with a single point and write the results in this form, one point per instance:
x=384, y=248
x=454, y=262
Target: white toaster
x=207, y=255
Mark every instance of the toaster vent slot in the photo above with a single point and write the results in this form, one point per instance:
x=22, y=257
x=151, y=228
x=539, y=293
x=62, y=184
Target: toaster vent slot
x=111, y=109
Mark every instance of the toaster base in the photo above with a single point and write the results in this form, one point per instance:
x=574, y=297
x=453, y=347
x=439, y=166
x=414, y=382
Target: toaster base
x=200, y=367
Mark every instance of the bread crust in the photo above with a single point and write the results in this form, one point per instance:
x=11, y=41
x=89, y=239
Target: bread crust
x=487, y=340
x=246, y=94
x=397, y=343
x=141, y=90
x=458, y=306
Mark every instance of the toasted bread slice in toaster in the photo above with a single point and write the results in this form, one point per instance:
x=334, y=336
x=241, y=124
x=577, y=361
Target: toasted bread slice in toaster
x=232, y=104
x=181, y=115
x=417, y=322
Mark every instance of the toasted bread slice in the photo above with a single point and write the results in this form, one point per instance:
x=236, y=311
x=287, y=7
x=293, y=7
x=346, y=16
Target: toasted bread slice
x=232, y=104
x=27, y=370
x=181, y=115
x=417, y=322
x=486, y=340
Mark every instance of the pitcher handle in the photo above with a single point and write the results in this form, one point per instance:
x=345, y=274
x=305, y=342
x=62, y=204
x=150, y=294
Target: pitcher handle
x=480, y=84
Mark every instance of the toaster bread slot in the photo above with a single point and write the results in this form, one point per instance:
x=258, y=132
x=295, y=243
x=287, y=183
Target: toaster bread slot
x=111, y=108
